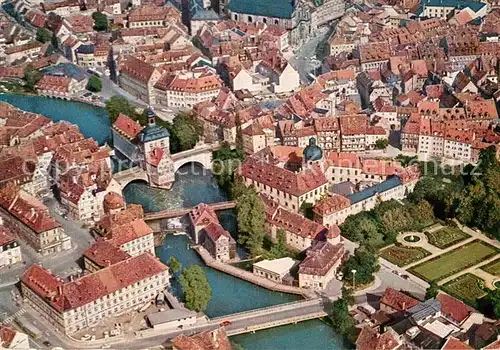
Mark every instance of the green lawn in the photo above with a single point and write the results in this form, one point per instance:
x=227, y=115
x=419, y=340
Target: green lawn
x=493, y=267
x=452, y=262
x=402, y=256
x=446, y=237
x=467, y=287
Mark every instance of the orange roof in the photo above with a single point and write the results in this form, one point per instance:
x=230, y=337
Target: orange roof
x=398, y=300
x=103, y=253
x=453, y=343
x=454, y=308
x=331, y=204
x=127, y=126
x=371, y=339
x=284, y=180
x=84, y=290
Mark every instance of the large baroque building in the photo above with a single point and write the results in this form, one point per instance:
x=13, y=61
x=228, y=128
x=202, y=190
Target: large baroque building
x=105, y=293
x=299, y=16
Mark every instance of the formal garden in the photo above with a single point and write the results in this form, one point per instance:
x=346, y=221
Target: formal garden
x=446, y=237
x=467, y=287
x=402, y=256
x=454, y=261
x=492, y=268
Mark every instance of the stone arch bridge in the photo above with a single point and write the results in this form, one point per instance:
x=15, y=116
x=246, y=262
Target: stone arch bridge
x=201, y=155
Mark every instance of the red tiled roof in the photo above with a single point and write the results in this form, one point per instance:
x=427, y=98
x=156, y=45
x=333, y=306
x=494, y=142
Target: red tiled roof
x=84, y=290
x=371, y=339
x=129, y=232
x=27, y=209
x=6, y=336
x=137, y=69
x=284, y=180
x=214, y=340
x=398, y=300
x=320, y=258
x=155, y=156
x=113, y=201
x=454, y=308
x=103, y=253
x=127, y=126
x=54, y=83
x=353, y=124
x=6, y=236
x=203, y=214
x=331, y=204
x=215, y=231
x=453, y=343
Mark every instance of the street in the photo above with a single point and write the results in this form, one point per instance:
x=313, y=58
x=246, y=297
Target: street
x=304, y=60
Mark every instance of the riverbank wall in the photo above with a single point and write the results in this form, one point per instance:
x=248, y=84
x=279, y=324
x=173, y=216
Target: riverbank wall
x=250, y=277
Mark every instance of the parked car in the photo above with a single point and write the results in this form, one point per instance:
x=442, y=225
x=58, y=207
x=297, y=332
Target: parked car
x=225, y=323
x=406, y=277
x=47, y=344
x=86, y=337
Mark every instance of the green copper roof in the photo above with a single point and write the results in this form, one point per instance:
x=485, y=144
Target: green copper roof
x=269, y=8
x=153, y=132
x=458, y=4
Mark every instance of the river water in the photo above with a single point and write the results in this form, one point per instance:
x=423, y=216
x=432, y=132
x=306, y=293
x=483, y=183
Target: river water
x=192, y=186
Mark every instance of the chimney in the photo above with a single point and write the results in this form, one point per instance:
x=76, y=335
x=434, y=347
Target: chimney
x=60, y=289
x=1, y=221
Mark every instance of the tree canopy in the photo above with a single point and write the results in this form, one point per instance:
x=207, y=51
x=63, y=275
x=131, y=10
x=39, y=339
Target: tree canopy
x=100, y=21
x=381, y=143
x=224, y=165
x=251, y=221
x=94, y=84
x=196, y=289
x=43, y=35
x=185, y=132
x=32, y=76
x=364, y=262
x=118, y=104
x=174, y=265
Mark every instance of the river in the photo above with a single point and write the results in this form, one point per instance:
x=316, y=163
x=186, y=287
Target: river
x=193, y=186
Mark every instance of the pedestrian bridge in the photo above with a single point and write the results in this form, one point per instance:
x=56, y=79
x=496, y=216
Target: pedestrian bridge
x=175, y=213
x=201, y=155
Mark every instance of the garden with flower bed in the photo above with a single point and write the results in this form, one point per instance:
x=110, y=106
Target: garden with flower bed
x=446, y=237
x=492, y=268
x=467, y=287
x=402, y=256
x=452, y=262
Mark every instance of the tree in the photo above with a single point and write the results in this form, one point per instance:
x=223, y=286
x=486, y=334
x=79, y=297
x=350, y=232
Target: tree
x=251, y=221
x=279, y=250
x=364, y=262
x=363, y=227
x=224, y=165
x=54, y=40
x=32, y=76
x=306, y=209
x=339, y=315
x=43, y=35
x=432, y=291
x=186, y=131
x=118, y=104
x=348, y=295
x=174, y=265
x=196, y=289
x=100, y=21
x=94, y=84
x=381, y=143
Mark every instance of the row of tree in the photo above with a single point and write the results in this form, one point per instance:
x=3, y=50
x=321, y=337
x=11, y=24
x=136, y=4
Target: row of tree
x=185, y=130
x=472, y=196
